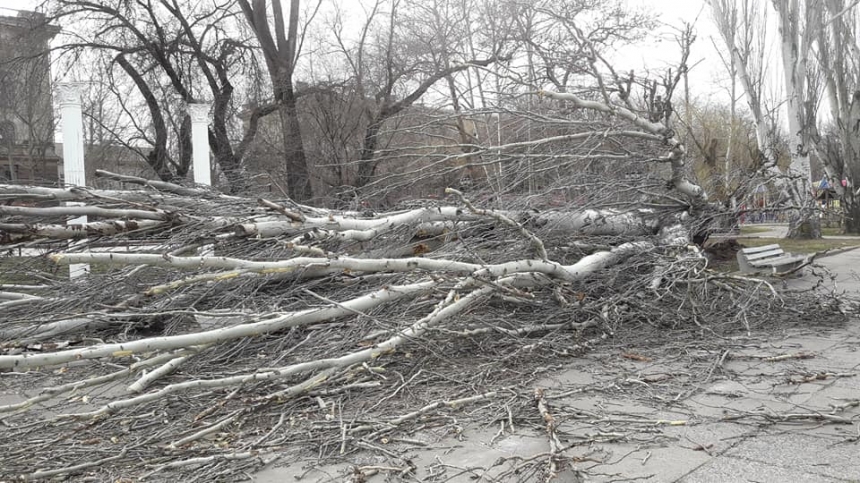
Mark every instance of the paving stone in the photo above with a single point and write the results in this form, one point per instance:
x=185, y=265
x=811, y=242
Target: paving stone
x=794, y=393
x=716, y=406
x=727, y=388
x=803, y=453
x=711, y=438
x=734, y=470
x=569, y=378
x=844, y=354
x=604, y=405
x=629, y=462
x=832, y=395
x=757, y=385
x=804, y=343
x=750, y=368
x=849, y=383
x=832, y=433
x=306, y=471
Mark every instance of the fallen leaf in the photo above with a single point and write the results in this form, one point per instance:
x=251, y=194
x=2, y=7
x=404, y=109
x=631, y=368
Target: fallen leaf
x=635, y=357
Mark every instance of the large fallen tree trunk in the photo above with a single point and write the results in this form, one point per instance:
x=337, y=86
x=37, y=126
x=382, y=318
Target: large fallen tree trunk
x=251, y=315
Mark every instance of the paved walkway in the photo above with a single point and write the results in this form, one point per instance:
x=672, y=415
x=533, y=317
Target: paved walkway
x=777, y=406
x=827, y=384
x=779, y=230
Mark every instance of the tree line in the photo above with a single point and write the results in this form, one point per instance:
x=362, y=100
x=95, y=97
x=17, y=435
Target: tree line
x=339, y=101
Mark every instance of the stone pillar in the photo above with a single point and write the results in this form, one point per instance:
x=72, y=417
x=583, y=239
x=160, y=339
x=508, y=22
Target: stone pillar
x=74, y=173
x=199, y=113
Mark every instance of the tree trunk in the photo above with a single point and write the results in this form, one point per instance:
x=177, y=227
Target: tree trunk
x=298, y=179
x=158, y=157
x=804, y=224
x=279, y=47
x=850, y=213
x=184, y=147
x=367, y=165
x=795, y=42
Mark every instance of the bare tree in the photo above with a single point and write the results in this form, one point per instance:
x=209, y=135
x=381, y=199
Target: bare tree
x=743, y=27
x=324, y=332
x=421, y=71
x=797, y=22
x=280, y=43
x=837, y=55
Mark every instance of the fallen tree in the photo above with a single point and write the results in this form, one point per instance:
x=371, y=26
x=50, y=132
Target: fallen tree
x=291, y=323
x=217, y=333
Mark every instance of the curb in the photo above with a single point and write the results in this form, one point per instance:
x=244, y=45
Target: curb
x=837, y=251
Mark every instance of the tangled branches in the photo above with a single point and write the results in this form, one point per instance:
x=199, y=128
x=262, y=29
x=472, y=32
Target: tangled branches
x=216, y=334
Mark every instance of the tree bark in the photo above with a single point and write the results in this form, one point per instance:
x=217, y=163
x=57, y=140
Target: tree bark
x=298, y=180
x=279, y=48
x=796, y=43
x=158, y=157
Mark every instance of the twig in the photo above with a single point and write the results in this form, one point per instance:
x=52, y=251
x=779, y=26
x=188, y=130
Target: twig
x=294, y=216
x=555, y=445
x=167, y=368
x=394, y=422
x=41, y=474
x=536, y=242
x=204, y=460
x=270, y=432
x=204, y=432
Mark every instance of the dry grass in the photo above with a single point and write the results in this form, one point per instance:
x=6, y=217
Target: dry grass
x=752, y=230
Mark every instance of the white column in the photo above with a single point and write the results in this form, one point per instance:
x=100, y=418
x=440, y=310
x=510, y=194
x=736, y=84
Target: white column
x=199, y=113
x=74, y=173
x=200, y=142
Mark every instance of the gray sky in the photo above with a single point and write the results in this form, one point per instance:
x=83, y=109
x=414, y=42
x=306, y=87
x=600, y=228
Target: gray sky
x=708, y=76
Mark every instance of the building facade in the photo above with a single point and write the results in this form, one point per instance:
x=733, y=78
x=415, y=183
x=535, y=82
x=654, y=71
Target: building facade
x=27, y=153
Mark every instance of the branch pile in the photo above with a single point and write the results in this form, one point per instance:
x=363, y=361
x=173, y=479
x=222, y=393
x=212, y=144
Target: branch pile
x=215, y=333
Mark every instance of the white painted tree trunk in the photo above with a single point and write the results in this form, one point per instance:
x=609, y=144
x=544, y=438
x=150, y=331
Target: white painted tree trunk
x=743, y=29
x=796, y=33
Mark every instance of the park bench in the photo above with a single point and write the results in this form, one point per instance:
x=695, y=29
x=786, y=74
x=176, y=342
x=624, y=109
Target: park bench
x=768, y=257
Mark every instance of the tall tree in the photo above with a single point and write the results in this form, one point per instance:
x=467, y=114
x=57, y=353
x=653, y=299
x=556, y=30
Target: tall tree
x=280, y=45
x=743, y=28
x=797, y=20
x=413, y=76
x=838, y=57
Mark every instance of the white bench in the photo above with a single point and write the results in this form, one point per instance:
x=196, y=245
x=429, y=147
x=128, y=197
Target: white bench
x=768, y=257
